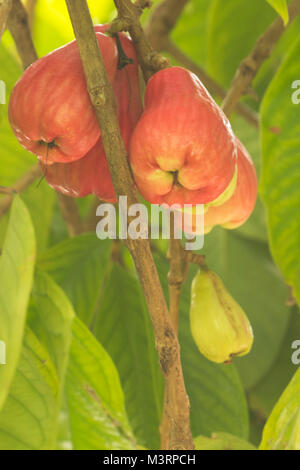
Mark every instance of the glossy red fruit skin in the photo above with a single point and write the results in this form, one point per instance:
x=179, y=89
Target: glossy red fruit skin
x=91, y=173
x=237, y=209
x=234, y=212
x=87, y=175
x=182, y=131
x=50, y=103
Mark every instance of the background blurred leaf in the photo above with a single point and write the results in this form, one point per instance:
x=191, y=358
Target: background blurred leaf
x=16, y=270
x=123, y=327
x=217, y=399
x=248, y=272
x=280, y=169
x=28, y=420
x=228, y=45
x=265, y=394
x=51, y=316
x=190, y=30
x=78, y=265
x=94, y=396
x=53, y=28
x=284, y=423
x=281, y=7
x=222, y=441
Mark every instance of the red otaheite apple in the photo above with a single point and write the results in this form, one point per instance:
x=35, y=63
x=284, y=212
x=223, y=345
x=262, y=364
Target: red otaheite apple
x=87, y=175
x=182, y=150
x=238, y=208
x=50, y=110
x=90, y=174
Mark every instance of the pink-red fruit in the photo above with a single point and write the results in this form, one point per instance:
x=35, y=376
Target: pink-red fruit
x=236, y=210
x=90, y=174
x=87, y=175
x=50, y=110
x=182, y=150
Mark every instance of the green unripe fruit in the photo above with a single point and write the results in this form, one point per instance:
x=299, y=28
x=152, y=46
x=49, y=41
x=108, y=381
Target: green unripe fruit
x=219, y=325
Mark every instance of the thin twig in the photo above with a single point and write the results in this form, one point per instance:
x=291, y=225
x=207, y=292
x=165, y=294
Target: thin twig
x=19, y=186
x=5, y=6
x=102, y=98
x=213, y=87
x=247, y=70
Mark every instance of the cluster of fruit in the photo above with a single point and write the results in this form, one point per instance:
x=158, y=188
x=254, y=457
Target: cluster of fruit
x=181, y=146
x=181, y=150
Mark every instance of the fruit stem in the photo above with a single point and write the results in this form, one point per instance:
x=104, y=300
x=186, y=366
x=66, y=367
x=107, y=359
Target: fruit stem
x=123, y=59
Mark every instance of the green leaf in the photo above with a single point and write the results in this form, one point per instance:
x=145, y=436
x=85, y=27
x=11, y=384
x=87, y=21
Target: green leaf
x=28, y=420
x=16, y=271
x=51, y=316
x=53, y=28
x=280, y=168
x=78, y=265
x=263, y=397
x=249, y=274
x=217, y=399
x=94, y=395
x=227, y=46
x=222, y=441
x=282, y=430
x=124, y=328
x=190, y=27
x=281, y=8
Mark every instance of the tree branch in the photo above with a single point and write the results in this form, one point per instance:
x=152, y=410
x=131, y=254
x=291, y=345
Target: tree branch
x=20, y=31
x=5, y=7
x=20, y=185
x=175, y=280
x=247, y=70
x=150, y=61
x=30, y=7
x=102, y=98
